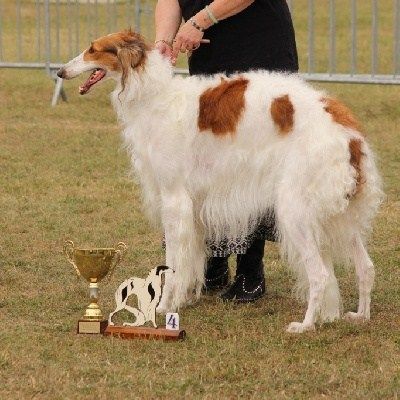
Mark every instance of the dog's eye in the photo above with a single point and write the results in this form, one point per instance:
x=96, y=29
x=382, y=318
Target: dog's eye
x=110, y=49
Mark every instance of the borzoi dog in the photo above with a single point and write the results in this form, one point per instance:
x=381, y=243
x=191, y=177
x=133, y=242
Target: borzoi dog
x=148, y=292
x=215, y=154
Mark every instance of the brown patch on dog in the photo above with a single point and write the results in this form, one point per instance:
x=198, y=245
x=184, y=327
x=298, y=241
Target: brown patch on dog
x=355, y=161
x=119, y=52
x=341, y=114
x=282, y=113
x=221, y=107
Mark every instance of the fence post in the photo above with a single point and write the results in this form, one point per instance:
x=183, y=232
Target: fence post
x=138, y=12
x=58, y=90
x=332, y=37
x=311, y=47
x=47, y=34
x=396, y=49
x=290, y=5
x=374, y=50
x=353, y=27
x=1, y=31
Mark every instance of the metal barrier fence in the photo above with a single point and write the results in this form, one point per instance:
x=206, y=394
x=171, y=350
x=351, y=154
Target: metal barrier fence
x=338, y=40
x=357, y=40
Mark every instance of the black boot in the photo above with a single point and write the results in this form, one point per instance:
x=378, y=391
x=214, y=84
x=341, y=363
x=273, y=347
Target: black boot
x=249, y=283
x=217, y=273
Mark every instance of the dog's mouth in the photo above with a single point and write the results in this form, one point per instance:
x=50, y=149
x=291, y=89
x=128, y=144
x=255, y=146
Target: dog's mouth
x=96, y=76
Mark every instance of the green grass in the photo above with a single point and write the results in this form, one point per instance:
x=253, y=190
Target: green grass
x=63, y=175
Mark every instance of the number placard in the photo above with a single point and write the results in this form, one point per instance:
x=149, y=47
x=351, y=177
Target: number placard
x=172, y=321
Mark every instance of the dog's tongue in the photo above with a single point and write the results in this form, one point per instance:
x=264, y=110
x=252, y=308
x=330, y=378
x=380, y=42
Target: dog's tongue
x=94, y=77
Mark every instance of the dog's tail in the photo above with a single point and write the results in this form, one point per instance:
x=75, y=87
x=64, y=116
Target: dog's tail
x=363, y=203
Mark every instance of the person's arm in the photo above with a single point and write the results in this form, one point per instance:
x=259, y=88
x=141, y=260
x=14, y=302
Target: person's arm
x=168, y=18
x=189, y=37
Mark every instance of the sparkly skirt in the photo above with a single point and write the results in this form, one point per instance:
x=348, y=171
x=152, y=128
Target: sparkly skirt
x=266, y=230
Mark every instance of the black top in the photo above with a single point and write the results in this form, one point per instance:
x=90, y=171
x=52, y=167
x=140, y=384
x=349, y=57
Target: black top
x=259, y=37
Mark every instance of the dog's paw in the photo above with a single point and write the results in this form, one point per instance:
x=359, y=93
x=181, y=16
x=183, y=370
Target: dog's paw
x=355, y=317
x=299, y=327
x=110, y=323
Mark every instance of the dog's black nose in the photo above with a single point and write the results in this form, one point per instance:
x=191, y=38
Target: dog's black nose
x=61, y=73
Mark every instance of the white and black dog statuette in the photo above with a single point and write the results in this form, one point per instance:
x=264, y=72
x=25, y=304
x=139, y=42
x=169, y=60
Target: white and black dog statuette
x=148, y=292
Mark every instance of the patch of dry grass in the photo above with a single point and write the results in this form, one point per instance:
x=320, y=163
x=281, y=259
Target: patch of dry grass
x=64, y=175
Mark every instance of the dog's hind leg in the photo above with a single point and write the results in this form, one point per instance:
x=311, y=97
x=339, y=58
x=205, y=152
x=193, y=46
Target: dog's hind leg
x=331, y=303
x=365, y=274
x=318, y=276
x=302, y=249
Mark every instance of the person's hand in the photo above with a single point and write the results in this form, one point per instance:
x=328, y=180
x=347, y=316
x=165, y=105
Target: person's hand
x=164, y=48
x=187, y=39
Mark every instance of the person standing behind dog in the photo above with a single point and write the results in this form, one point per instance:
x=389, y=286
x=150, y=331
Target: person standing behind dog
x=231, y=36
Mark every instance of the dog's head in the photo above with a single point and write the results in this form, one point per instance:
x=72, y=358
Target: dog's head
x=112, y=56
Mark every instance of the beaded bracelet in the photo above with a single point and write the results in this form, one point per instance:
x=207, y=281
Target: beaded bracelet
x=168, y=43
x=211, y=15
x=194, y=23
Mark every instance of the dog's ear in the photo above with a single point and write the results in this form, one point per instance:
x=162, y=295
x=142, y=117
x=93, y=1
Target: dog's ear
x=131, y=54
x=161, y=268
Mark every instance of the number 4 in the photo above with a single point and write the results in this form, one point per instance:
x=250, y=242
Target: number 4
x=172, y=321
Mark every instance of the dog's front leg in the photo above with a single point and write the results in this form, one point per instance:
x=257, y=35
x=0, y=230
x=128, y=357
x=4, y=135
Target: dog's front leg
x=184, y=250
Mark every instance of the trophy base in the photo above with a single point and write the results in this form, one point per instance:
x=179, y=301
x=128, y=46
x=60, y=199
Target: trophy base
x=129, y=332
x=91, y=327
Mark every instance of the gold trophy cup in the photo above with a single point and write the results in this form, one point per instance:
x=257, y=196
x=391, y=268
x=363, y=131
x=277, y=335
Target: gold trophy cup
x=93, y=265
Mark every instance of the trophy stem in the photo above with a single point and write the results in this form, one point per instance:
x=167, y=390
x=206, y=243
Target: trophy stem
x=93, y=312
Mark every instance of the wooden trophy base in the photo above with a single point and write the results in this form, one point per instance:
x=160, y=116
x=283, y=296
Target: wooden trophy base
x=130, y=332
x=91, y=327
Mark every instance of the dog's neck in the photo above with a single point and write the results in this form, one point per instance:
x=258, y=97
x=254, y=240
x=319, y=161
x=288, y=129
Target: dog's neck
x=143, y=86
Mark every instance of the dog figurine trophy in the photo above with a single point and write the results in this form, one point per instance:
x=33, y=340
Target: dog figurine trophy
x=148, y=292
x=93, y=265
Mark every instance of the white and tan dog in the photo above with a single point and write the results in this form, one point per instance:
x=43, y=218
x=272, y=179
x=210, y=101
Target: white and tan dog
x=215, y=154
x=148, y=292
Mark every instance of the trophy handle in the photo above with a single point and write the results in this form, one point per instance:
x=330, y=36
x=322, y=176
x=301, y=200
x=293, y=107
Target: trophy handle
x=69, y=252
x=120, y=250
